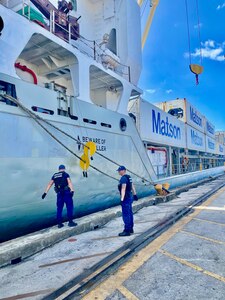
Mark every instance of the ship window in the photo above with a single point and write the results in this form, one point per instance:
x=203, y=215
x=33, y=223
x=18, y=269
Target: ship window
x=106, y=125
x=7, y=88
x=1, y=25
x=89, y=121
x=111, y=45
x=123, y=124
x=42, y=110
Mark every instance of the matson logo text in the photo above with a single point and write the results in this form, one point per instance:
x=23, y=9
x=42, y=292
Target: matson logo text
x=164, y=127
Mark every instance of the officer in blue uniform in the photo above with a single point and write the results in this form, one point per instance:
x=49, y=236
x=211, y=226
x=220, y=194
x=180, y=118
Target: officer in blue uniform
x=126, y=188
x=64, y=190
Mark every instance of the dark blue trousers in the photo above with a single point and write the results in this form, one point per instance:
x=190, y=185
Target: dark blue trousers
x=64, y=197
x=127, y=215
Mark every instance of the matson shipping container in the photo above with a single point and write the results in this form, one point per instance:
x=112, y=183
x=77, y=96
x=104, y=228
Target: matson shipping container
x=209, y=128
x=210, y=145
x=156, y=126
x=195, y=139
x=185, y=111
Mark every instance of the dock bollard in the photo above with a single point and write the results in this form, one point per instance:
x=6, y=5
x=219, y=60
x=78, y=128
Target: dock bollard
x=162, y=189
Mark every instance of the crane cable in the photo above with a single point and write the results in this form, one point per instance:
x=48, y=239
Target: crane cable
x=196, y=69
x=188, y=31
x=37, y=119
x=199, y=32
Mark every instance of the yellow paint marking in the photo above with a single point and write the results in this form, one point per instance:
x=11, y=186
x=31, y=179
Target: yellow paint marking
x=127, y=293
x=203, y=237
x=221, y=209
x=208, y=221
x=193, y=266
x=107, y=287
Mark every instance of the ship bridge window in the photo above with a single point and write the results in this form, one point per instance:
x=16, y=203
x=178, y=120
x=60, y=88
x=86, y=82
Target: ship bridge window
x=7, y=88
x=42, y=110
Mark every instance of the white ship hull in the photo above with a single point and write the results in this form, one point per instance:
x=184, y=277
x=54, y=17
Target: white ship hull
x=29, y=157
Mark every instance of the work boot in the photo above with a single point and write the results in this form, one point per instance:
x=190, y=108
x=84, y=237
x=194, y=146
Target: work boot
x=60, y=225
x=72, y=224
x=124, y=233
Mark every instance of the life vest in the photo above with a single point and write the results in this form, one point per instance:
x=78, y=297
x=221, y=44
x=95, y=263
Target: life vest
x=128, y=186
x=60, y=180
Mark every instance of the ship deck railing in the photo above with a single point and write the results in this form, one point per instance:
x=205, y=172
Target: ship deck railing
x=71, y=35
x=178, y=169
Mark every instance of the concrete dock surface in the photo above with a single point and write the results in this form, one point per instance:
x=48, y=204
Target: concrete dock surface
x=185, y=262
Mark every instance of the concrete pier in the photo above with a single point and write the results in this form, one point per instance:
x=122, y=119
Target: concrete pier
x=66, y=253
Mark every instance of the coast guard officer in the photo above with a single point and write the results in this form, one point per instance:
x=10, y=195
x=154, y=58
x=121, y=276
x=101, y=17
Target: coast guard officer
x=64, y=190
x=126, y=188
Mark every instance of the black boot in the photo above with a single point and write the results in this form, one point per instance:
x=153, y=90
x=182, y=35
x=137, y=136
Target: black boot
x=72, y=223
x=124, y=233
x=60, y=225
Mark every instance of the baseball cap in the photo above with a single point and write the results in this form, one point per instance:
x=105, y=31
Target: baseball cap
x=121, y=168
x=62, y=167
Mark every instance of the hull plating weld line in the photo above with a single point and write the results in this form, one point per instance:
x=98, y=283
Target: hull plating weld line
x=86, y=281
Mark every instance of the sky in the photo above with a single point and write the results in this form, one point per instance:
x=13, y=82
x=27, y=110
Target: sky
x=165, y=72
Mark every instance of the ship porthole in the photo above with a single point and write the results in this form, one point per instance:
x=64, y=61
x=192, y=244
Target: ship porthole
x=123, y=124
x=1, y=24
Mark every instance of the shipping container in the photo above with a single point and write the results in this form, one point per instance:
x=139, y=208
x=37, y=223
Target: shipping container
x=186, y=112
x=220, y=149
x=210, y=145
x=220, y=137
x=195, y=139
x=156, y=126
x=209, y=128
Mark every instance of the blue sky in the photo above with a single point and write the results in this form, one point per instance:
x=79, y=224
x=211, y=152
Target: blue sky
x=166, y=75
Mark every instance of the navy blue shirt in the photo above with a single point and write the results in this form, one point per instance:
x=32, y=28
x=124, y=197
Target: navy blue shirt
x=126, y=179
x=60, y=180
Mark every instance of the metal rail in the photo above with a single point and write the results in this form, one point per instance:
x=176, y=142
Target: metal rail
x=83, y=283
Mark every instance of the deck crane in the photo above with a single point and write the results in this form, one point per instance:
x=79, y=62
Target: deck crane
x=194, y=68
x=154, y=4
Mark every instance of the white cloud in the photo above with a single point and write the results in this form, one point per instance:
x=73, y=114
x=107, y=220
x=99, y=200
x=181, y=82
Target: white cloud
x=151, y=91
x=211, y=50
x=169, y=91
x=209, y=43
x=220, y=6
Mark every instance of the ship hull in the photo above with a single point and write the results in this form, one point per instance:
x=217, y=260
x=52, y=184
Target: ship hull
x=29, y=157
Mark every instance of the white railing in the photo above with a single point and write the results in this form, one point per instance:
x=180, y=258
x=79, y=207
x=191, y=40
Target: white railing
x=177, y=169
x=59, y=25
